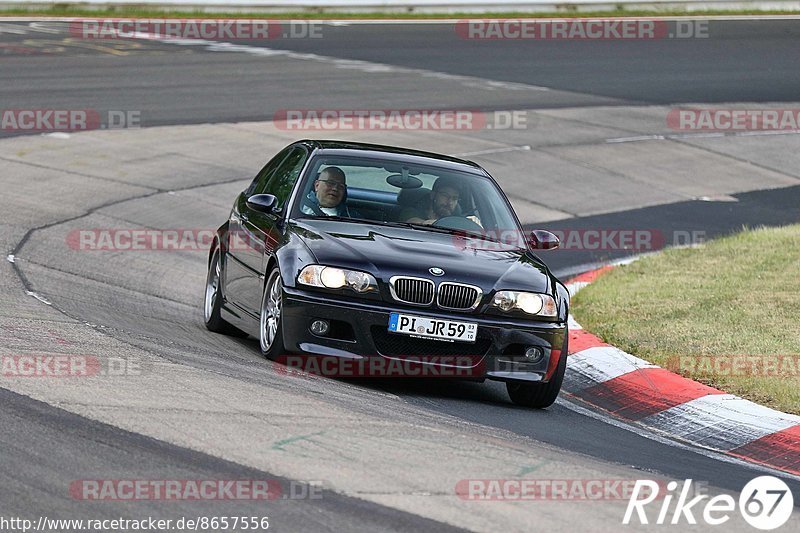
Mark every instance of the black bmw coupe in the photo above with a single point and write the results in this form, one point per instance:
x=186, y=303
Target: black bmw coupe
x=373, y=254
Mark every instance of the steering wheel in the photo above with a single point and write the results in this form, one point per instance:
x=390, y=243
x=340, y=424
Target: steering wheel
x=456, y=222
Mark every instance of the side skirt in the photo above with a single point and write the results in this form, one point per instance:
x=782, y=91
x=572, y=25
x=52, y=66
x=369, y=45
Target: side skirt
x=241, y=319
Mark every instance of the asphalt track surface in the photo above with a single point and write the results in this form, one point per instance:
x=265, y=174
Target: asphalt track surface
x=46, y=447
x=740, y=61
x=60, y=447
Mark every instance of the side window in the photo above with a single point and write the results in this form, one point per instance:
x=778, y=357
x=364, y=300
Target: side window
x=285, y=176
x=260, y=181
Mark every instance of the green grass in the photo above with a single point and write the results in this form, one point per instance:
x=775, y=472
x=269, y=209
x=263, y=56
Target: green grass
x=67, y=10
x=736, y=296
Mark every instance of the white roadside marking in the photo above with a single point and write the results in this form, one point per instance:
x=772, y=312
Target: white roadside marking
x=350, y=64
x=42, y=28
x=603, y=363
x=573, y=324
x=477, y=18
x=721, y=421
x=13, y=28
x=40, y=298
x=705, y=135
x=522, y=148
x=632, y=259
x=446, y=20
x=664, y=438
x=576, y=286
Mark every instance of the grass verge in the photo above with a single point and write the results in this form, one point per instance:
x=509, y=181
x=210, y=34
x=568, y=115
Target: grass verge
x=66, y=10
x=726, y=313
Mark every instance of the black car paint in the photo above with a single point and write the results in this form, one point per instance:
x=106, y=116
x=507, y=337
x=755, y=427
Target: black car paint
x=265, y=240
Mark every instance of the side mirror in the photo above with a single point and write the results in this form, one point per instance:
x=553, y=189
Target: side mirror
x=543, y=240
x=264, y=203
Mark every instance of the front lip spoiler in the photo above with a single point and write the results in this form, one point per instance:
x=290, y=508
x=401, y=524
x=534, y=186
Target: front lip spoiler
x=515, y=376
x=317, y=350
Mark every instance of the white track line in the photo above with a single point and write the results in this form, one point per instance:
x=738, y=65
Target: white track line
x=705, y=135
x=445, y=20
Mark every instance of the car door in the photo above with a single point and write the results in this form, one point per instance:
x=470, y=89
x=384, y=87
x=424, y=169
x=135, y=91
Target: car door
x=238, y=270
x=258, y=234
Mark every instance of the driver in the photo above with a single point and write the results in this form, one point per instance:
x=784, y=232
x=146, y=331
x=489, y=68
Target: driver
x=443, y=202
x=329, y=197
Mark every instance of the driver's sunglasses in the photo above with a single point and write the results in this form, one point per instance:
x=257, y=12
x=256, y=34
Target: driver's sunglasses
x=334, y=184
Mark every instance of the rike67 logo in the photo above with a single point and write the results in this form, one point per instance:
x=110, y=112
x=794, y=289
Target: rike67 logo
x=765, y=503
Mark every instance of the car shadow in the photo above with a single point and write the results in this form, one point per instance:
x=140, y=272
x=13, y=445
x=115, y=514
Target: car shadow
x=438, y=388
x=418, y=390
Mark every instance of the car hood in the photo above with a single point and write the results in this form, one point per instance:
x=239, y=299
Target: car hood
x=387, y=251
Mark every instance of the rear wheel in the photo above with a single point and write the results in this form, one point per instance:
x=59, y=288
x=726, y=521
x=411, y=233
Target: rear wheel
x=270, y=329
x=540, y=395
x=212, y=305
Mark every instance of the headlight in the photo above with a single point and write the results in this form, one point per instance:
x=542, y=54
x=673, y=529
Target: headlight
x=529, y=302
x=336, y=278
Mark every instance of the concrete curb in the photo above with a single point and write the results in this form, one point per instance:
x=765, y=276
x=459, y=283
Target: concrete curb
x=638, y=391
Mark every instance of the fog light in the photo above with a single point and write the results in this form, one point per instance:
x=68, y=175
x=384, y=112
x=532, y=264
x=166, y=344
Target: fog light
x=534, y=354
x=320, y=327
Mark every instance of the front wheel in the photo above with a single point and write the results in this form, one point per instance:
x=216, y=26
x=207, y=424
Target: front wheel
x=270, y=330
x=540, y=395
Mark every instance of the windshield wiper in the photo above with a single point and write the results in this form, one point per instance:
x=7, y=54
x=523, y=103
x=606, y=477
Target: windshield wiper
x=341, y=218
x=428, y=227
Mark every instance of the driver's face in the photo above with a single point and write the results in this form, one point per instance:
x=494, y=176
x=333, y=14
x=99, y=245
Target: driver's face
x=444, y=201
x=330, y=189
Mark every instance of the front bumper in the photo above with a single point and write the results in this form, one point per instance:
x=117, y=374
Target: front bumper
x=359, y=332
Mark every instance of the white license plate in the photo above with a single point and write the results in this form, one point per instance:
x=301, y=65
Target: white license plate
x=433, y=328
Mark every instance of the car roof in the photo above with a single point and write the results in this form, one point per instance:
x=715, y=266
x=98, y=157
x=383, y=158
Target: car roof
x=331, y=147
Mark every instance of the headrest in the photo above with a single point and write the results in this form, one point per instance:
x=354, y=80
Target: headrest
x=414, y=197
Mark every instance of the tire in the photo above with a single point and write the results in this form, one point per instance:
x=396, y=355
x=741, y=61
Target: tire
x=270, y=328
x=540, y=395
x=212, y=303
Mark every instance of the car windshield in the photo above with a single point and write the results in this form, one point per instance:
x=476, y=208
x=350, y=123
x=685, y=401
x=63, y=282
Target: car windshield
x=398, y=193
